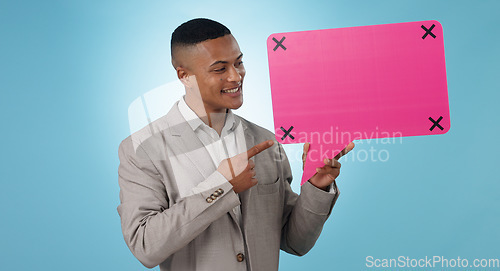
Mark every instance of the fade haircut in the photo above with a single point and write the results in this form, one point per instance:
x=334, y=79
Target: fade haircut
x=195, y=31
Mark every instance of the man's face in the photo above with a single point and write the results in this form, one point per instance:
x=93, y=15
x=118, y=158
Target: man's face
x=218, y=68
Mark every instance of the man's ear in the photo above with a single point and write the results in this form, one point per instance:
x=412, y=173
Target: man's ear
x=183, y=75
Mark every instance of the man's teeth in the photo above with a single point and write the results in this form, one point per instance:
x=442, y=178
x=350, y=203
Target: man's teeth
x=230, y=90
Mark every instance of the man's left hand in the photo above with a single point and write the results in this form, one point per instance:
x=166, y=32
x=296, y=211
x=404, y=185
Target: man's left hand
x=330, y=171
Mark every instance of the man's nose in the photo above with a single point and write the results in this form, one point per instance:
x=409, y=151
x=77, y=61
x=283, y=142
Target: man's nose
x=234, y=75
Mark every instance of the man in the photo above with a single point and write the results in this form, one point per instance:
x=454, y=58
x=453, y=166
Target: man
x=184, y=204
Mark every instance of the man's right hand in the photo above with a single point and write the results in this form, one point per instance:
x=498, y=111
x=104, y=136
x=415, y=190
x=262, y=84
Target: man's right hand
x=240, y=170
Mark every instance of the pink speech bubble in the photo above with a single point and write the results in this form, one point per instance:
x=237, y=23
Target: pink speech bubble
x=337, y=85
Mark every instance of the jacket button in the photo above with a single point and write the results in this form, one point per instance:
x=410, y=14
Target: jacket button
x=216, y=193
x=220, y=190
x=209, y=200
x=213, y=197
x=240, y=257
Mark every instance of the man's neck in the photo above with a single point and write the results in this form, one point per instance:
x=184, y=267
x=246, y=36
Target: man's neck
x=214, y=119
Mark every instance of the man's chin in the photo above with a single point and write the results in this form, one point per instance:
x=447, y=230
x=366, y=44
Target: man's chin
x=236, y=106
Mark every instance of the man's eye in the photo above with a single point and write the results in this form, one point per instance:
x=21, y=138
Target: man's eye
x=219, y=70
x=239, y=63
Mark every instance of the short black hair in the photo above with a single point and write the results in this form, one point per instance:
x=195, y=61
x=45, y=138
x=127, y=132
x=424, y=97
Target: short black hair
x=197, y=30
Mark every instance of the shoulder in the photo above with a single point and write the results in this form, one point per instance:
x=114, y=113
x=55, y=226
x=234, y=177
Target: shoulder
x=257, y=131
x=153, y=133
x=261, y=134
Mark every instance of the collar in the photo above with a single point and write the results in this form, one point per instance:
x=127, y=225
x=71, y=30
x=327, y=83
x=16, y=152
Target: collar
x=195, y=122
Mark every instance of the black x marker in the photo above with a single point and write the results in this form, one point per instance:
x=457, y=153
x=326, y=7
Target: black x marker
x=428, y=31
x=287, y=133
x=279, y=44
x=436, y=123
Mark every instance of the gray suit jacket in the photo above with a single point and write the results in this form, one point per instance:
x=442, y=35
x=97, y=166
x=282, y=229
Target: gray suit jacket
x=167, y=219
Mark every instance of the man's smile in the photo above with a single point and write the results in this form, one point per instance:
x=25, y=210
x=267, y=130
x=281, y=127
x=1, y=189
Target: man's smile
x=235, y=91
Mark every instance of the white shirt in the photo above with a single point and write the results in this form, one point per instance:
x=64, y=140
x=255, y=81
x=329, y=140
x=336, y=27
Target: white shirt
x=230, y=143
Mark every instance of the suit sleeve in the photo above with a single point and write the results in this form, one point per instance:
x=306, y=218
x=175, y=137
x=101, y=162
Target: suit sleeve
x=304, y=215
x=153, y=228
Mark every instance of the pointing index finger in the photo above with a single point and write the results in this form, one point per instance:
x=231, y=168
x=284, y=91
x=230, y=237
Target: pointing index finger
x=259, y=148
x=345, y=151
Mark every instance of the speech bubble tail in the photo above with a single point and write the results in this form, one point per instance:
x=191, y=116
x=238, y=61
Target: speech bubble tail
x=315, y=156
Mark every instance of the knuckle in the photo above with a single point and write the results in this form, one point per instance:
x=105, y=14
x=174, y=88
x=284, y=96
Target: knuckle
x=249, y=174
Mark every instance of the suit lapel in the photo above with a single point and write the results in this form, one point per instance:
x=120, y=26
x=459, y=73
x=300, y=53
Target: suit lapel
x=186, y=142
x=245, y=196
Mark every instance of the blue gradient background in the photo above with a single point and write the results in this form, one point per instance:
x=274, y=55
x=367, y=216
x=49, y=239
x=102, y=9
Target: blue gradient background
x=70, y=69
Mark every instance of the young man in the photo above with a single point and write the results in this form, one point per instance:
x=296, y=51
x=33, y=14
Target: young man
x=185, y=205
